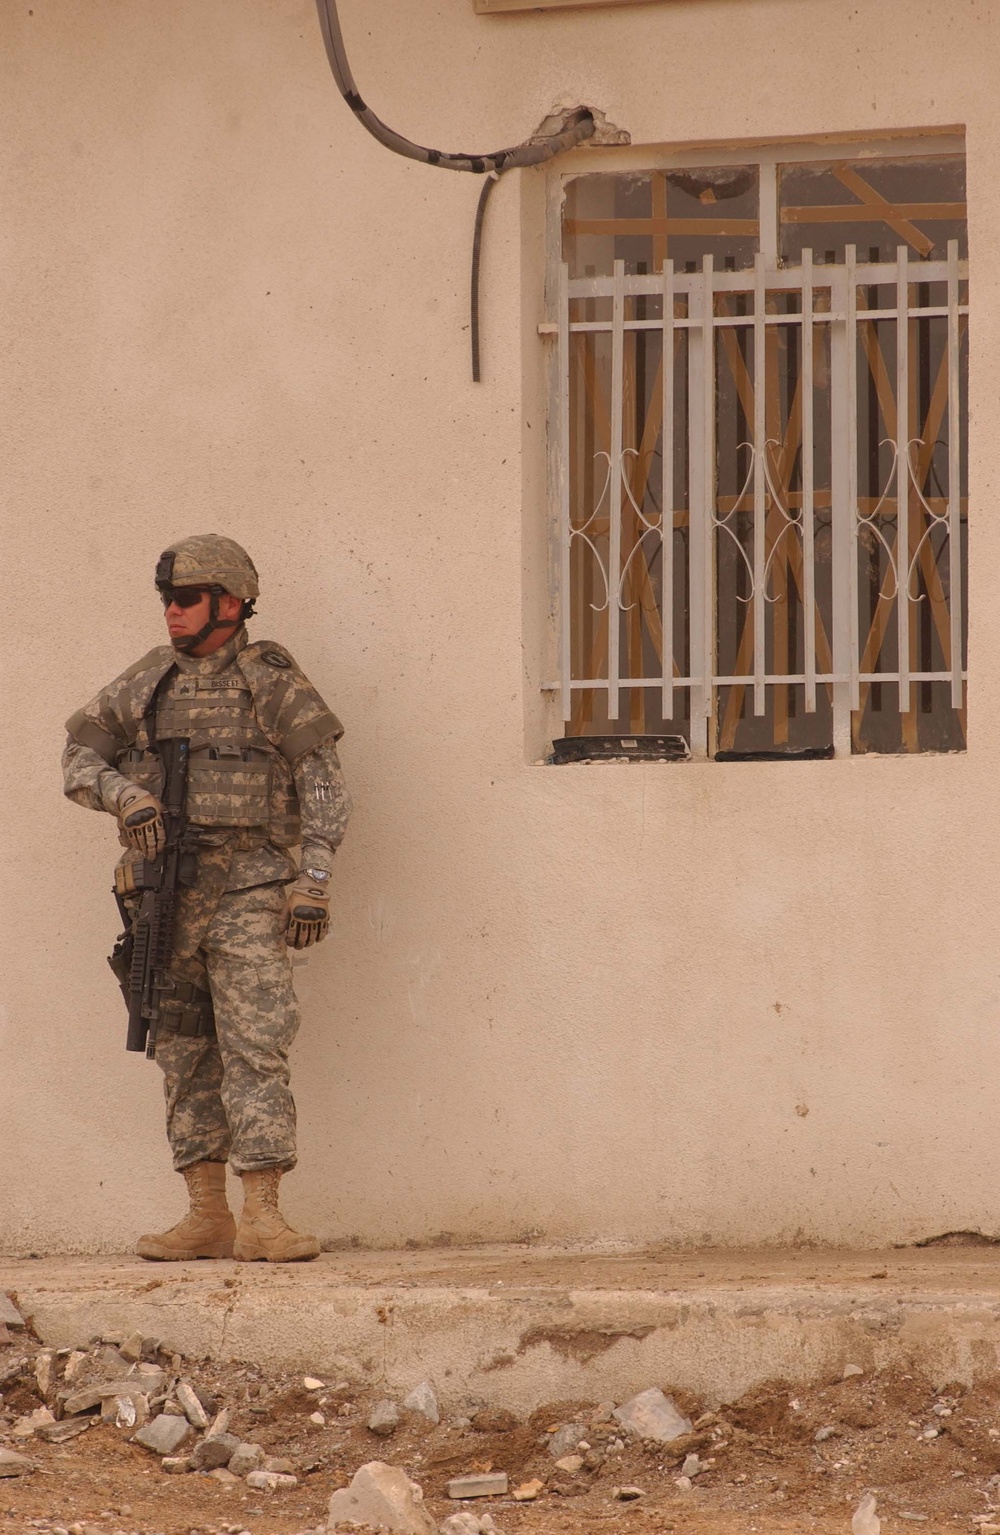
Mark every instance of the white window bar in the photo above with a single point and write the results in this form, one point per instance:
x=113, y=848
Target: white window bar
x=700, y=477
x=759, y=449
x=666, y=496
x=615, y=572
x=848, y=446
x=808, y=508
x=565, y=519
x=843, y=474
x=767, y=193
x=903, y=471
x=700, y=290
x=954, y=476
x=704, y=511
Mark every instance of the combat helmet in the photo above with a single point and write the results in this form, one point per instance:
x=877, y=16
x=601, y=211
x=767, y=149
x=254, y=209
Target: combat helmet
x=216, y=563
x=208, y=559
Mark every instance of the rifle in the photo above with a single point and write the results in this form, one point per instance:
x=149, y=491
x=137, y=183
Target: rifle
x=142, y=954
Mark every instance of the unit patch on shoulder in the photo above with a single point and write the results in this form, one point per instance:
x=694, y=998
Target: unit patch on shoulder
x=275, y=658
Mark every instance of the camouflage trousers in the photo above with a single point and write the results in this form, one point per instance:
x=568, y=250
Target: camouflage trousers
x=228, y=1098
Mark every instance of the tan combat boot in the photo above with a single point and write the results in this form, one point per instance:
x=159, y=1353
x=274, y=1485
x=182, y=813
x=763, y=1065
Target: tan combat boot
x=263, y=1231
x=208, y=1229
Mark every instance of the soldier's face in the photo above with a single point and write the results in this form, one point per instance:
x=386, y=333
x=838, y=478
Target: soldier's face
x=184, y=621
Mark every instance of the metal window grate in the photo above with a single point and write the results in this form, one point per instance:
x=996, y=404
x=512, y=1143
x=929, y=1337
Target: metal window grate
x=796, y=432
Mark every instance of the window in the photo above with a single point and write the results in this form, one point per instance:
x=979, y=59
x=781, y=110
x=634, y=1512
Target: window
x=763, y=543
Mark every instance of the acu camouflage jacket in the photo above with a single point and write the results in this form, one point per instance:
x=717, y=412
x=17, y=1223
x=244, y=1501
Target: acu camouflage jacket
x=290, y=776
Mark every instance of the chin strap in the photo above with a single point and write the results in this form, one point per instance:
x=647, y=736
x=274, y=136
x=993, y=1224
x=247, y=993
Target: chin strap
x=188, y=642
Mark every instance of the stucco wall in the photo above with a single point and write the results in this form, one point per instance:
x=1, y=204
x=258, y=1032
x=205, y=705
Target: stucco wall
x=585, y=1002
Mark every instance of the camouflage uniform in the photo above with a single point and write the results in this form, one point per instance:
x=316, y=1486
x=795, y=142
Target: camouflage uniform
x=264, y=775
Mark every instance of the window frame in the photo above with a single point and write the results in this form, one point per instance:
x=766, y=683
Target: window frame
x=768, y=155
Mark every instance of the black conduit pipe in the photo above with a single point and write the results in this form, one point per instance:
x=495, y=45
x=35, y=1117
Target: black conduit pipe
x=534, y=151
x=477, y=250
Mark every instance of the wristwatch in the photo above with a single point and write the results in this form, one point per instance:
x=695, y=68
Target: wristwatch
x=319, y=875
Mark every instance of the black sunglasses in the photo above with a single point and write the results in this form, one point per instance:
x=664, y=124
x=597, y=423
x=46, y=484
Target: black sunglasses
x=183, y=596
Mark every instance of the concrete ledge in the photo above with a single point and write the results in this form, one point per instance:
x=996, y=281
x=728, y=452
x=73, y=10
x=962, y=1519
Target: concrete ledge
x=516, y=1327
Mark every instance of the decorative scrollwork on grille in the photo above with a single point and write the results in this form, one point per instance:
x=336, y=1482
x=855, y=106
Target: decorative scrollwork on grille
x=792, y=521
x=648, y=527
x=722, y=523
x=583, y=532
x=935, y=519
x=869, y=520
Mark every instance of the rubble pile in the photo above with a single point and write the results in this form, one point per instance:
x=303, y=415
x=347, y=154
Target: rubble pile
x=122, y=1435
x=145, y=1393
x=138, y=1385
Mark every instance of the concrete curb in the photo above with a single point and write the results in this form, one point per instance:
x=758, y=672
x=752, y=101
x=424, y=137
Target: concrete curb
x=517, y=1344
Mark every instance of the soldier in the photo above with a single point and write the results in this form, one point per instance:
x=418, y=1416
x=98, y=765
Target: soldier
x=263, y=777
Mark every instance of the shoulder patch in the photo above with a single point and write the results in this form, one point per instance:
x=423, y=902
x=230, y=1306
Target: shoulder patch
x=275, y=658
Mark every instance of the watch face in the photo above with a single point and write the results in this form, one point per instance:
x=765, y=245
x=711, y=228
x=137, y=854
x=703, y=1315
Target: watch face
x=320, y=875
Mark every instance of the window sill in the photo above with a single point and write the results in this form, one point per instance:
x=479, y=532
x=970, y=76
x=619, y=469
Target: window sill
x=491, y=7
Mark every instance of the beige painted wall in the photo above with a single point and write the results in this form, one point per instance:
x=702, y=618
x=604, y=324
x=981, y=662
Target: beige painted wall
x=583, y=1002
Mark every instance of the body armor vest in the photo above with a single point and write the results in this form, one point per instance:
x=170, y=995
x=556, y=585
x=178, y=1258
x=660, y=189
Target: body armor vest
x=236, y=778
x=247, y=723
x=229, y=776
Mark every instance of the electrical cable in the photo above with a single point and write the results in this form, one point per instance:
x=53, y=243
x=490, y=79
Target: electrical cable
x=477, y=248
x=533, y=151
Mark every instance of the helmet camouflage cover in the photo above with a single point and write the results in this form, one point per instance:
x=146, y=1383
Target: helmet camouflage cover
x=208, y=559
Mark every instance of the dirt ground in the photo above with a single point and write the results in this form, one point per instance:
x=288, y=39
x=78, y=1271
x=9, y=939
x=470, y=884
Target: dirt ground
x=929, y=1451
x=957, y=1263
